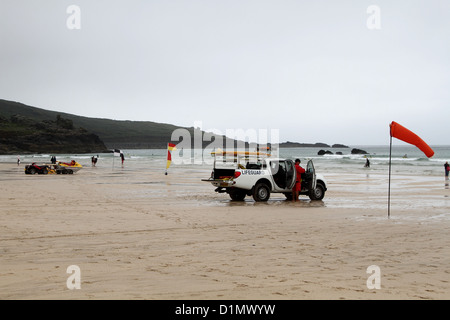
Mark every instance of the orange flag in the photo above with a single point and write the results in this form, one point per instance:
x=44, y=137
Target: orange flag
x=401, y=133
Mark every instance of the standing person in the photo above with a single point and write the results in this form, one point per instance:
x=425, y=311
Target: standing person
x=298, y=183
x=367, y=165
x=447, y=169
x=122, y=157
x=18, y=160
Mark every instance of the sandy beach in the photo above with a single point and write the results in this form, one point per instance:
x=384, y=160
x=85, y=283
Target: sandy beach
x=142, y=235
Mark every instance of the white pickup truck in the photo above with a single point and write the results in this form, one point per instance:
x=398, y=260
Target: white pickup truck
x=242, y=174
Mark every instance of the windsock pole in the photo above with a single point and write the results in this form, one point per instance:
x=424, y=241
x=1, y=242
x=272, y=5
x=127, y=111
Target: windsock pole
x=389, y=184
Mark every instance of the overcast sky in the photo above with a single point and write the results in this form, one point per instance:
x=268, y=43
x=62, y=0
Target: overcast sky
x=312, y=69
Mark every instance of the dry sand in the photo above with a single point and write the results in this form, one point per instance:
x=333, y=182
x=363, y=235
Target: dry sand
x=144, y=235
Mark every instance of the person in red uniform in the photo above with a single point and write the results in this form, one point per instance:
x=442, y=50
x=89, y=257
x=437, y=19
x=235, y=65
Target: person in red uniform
x=298, y=183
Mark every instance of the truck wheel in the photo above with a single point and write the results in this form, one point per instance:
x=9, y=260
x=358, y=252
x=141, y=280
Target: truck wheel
x=261, y=192
x=318, y=193
x=237, y=195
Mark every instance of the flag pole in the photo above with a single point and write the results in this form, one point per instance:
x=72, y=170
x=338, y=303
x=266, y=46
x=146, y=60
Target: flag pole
x=400, y=132
x=166, y=160
x=389, y=185
x=114, y=151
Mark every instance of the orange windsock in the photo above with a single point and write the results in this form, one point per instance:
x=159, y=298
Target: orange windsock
x=401, y=133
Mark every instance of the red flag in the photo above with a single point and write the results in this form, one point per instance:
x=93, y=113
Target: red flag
x=401, y=133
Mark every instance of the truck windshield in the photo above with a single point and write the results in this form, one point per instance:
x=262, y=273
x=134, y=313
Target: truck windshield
x=251, y=163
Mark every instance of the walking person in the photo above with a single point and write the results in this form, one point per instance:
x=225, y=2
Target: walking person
x=447, y=169
x=94, y=160
x=122, y=157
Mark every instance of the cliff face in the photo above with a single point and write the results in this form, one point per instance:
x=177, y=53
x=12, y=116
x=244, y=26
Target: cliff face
x=20, y=134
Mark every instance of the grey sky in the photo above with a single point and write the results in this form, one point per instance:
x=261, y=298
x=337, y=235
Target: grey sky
x=311, y=69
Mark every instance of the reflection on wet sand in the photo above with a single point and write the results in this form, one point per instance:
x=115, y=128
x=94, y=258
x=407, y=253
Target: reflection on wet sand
x=304, y=203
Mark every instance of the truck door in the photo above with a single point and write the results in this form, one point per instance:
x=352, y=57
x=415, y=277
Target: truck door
x=291, y=174
x=283, y=173
x=311, y=172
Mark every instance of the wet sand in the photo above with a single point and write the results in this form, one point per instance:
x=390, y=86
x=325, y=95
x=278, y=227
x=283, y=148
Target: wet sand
x=142, y=235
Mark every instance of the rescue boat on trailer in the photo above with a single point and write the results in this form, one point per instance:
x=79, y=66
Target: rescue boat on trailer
x=67, y=167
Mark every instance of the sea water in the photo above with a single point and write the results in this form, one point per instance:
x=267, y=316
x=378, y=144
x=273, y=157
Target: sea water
x=405, y=159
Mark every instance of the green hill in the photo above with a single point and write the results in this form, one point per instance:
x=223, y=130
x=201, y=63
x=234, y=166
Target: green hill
x=29, y=129
x=113, y=133
x=20, y=133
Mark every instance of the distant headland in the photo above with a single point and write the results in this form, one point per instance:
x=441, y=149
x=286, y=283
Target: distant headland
x=289, y=144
